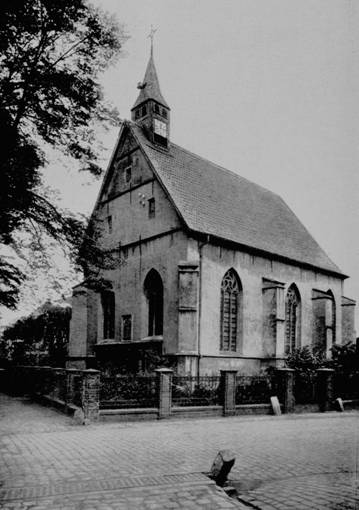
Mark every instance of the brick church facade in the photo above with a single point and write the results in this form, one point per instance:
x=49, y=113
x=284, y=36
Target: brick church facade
x=214, y=271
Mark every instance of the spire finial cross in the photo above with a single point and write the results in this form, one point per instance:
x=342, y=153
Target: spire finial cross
x=151, y=36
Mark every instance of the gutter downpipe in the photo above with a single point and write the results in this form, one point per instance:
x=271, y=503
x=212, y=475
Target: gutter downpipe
x=200, y=247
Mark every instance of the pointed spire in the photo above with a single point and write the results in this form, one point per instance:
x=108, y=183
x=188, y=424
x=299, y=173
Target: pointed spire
x=150, y=87
x=151, y=36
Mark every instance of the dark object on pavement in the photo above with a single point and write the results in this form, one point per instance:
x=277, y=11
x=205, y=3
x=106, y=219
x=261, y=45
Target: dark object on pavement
x=221, y=466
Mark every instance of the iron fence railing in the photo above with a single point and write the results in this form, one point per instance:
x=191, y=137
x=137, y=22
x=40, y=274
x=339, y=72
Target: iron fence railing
x=121, y=392
x=196, y=391
x=253, y=389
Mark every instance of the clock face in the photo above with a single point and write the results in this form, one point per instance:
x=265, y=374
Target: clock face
x=160, y=128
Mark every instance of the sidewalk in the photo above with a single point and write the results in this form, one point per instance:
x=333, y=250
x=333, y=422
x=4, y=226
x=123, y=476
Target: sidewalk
x=288, y=462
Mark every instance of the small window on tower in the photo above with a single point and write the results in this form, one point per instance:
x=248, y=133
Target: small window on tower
x=151, y=208
x=164, y=113
x=137, y=114
x=144, y=111
x=157, y=108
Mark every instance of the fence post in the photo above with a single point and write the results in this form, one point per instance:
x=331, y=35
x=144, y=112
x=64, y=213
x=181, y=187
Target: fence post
x=228, y=383
x=91, y=394
x=286, y=388
x=325, y=388
x=164, y=391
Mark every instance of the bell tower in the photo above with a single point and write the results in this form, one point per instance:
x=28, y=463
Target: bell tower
x=150, y=109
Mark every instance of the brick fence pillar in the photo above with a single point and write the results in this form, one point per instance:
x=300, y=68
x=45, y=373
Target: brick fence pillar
x=228, y=384
x=286, y=389
x=325, y=388
x=70, y=387
x=59, y=374
x=91, y=394
x=164, y=391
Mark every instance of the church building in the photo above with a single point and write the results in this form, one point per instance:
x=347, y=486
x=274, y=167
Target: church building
x=213, y=270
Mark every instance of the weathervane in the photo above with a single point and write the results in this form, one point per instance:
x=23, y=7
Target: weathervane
x=151, y=36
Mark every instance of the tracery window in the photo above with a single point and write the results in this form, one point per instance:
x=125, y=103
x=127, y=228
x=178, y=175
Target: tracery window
x=292, y=320
x=231, y=311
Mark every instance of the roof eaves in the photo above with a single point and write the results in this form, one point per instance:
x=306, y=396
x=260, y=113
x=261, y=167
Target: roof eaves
x=265, y=253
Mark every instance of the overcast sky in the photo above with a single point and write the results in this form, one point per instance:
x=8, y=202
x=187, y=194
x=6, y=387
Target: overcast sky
x=266, y=88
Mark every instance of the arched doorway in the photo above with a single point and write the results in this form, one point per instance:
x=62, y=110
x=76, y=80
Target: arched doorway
x=153, y=289
x=292, y=319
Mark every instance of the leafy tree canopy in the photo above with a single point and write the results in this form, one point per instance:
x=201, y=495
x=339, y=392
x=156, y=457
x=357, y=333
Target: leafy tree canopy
x=45, y=332
x=51, y=56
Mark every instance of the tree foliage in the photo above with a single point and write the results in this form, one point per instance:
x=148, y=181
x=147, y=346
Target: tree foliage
x=51, y=56
x=41, y=337
x=345, y=357
x=304, y=359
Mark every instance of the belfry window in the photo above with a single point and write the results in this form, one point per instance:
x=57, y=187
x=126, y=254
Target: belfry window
x=108, y=312
x=153, y=289
x=231, y=311
x=292, y=319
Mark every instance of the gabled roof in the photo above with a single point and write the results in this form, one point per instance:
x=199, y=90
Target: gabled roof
x=214, y=201
x=150, y=86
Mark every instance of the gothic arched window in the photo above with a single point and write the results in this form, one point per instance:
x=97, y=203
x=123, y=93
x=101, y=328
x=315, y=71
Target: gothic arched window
x=333, y=316
x=108, y=311
x=153, y=288
x=292, y=319
x=231, y=311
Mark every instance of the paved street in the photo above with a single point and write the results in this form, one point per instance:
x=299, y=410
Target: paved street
x=288, y=462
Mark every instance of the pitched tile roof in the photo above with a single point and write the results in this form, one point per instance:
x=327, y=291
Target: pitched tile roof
x=215, y=201
x=150, y=86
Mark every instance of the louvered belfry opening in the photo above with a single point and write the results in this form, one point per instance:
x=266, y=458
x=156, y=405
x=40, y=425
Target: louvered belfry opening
x=153, y=288
x=231, y=309
x=292, y=319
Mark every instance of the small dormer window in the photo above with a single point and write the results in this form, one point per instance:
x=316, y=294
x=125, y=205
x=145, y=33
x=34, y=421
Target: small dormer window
x=160, y=128
x=144, y=110
x=157, y=108
x=137, y=114
x=164, y=113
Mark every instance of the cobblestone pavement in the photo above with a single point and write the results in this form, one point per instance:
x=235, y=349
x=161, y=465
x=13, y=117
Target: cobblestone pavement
x=289, y=462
